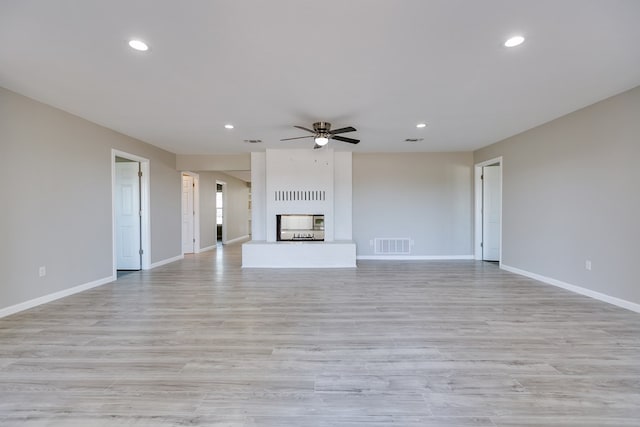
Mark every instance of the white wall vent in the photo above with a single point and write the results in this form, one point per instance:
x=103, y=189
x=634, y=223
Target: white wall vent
x=305, y=195
x=392, y=246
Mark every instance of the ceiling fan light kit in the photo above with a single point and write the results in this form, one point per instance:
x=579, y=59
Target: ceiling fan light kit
x=322, y=140
x=322, y=133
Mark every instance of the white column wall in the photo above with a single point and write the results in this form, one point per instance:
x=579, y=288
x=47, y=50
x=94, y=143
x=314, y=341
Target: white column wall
x=299, y=171
x=258, y=208
x=343, y=196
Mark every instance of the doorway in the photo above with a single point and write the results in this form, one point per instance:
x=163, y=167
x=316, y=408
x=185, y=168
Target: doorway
x=190, y=213
x=488, y=246
x=130, y=212
x=221, y=201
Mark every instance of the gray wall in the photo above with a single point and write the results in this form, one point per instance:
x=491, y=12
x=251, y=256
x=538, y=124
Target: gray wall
x=571, y=193
x=424, y=196
x=237, y=209
x=55, y=183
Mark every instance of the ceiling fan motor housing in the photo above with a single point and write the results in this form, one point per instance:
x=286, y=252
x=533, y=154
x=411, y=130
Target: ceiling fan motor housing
x=322, y=127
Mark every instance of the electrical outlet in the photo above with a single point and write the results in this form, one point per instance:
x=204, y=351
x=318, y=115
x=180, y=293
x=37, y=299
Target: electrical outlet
x=587, y=264
x=42, y=271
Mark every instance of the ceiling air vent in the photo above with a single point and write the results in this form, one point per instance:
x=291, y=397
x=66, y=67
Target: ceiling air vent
x=414, y=139
x=253, y=141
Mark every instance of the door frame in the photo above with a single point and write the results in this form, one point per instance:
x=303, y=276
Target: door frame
x=145, y=229
x=224, y=209
x=478, y=205
x=196, y=209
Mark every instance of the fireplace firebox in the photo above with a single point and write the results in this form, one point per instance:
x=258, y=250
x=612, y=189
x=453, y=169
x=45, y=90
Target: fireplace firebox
x=300, y=227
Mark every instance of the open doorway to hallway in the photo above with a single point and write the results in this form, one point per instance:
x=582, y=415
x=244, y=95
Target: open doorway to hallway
x=220, y=212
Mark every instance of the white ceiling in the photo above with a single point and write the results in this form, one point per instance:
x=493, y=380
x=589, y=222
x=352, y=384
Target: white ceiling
x=380, y=65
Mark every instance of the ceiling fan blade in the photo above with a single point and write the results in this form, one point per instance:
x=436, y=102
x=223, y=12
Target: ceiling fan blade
x=344, y=139
x=298, y=137
x=343, y=130
x=303, y=128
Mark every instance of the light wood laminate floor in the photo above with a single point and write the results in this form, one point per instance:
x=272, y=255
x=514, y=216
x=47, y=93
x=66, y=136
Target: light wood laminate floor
x=203, y=342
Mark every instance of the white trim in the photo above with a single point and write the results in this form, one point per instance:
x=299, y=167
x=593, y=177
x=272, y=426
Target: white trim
x=145, y=208
x=208, y=248
x=573, y=288
x=167, y=261
x=478, y=206
x=237, y=239
x=196, y=208
x=7, y=311
x=414, y=257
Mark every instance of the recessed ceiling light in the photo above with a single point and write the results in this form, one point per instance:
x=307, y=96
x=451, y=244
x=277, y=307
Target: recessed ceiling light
x=138, y=45
x=514, y=41
x=421, y=125
x=228, y=126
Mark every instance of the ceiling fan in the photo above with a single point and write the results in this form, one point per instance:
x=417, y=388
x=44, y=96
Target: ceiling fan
x=322, y=133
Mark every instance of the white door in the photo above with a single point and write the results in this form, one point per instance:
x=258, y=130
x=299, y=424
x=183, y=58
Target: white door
x=188, y=212
x=491, y=212
x=127, y=216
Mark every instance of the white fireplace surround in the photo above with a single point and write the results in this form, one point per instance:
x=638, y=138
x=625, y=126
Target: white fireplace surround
x=298, y=182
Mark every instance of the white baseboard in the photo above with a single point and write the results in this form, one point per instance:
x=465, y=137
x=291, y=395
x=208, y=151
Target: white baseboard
x=166, y=261
x=573, y=288
x=54, y=296
x=66, y=292
x=238, y=239
x=413, y=257
x=208, y=248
